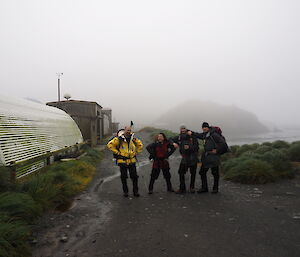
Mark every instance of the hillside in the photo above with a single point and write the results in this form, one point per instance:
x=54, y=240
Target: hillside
x=234, y=121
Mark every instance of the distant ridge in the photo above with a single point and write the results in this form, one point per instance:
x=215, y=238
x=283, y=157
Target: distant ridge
x=235, y=122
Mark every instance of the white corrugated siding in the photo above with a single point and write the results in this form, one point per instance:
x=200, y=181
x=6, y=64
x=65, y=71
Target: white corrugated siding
x=29, y=129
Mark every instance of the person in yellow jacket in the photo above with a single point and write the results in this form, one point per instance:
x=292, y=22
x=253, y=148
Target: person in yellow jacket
x=125, y=148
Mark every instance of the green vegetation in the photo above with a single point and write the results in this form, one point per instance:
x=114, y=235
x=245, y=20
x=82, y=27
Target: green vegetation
x=23, y=202
x=154, y=131
x=261, y=163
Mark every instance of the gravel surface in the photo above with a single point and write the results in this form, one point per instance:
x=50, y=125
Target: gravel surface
x=242, y=220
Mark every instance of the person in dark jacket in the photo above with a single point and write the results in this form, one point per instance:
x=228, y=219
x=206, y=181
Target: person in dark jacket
x=188, y=146
x=213, y=142
x=159, y=152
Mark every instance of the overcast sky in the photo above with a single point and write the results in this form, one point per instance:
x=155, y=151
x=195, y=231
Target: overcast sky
x=148, y=56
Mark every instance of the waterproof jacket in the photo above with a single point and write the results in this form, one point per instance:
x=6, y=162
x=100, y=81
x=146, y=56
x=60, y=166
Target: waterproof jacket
x=125, y=149
x=160, y=151
x=190, y=155
x=212, y=140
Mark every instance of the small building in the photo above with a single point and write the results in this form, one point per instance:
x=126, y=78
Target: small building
x=94, y=122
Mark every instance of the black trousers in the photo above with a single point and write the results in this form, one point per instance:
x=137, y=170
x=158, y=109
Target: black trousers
x=183, y=168
x=155, y=174
x=124, y=169
x=215, y=173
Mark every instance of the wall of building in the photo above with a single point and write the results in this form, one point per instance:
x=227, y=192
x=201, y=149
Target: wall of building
x=94, y=122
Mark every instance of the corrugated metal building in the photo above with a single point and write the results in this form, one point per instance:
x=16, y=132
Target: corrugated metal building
x=93, y=121
x=29, y=130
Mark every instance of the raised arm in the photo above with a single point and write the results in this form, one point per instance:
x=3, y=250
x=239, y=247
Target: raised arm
x=198, y=135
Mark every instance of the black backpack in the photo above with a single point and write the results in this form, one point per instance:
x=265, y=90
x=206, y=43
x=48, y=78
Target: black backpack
x=222, y=148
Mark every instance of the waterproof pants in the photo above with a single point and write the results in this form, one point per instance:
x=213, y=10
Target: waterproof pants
x=133, y=176
x=183, y=168
x=215, y=173
x=155, y=174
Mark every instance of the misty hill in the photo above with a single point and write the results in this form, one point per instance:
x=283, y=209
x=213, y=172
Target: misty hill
x=234, y=121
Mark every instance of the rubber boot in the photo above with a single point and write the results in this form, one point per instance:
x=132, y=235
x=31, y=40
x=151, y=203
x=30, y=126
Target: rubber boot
x=204, y=187
x=125, y=187
x=169, y=185
x=135, y=187
x=151, y=186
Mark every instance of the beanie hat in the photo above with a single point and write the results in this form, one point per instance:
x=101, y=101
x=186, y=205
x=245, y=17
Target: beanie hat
x=205, y=125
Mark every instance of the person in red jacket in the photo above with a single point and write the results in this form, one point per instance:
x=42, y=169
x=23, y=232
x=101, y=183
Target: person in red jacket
x=160, y=151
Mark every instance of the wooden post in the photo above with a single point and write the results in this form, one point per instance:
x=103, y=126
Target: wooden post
x=13, y=171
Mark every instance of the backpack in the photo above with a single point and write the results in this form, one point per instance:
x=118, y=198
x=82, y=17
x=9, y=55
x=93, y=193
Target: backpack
x=221, y=148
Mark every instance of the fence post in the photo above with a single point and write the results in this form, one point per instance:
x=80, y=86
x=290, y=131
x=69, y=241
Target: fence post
x=13, y=172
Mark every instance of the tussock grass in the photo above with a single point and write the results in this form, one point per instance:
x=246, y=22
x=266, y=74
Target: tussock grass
x=261, y=163
x=294, y=152
x=251, y=171
x=23, y=202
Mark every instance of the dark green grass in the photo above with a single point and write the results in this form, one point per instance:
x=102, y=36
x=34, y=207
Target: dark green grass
x=261, y=163
x=22, y=203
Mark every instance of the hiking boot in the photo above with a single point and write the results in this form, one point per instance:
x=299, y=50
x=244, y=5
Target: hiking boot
x=136, y=194
x=202, y=190
x=125, y=195
x=192, y=190
x=170, y=190
x=150, y=192
x=180, y=191
x=215, y=191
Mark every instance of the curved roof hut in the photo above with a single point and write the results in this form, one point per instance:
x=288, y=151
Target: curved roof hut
x=29, y=130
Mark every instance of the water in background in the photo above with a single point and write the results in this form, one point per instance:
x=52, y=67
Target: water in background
x=289, y=135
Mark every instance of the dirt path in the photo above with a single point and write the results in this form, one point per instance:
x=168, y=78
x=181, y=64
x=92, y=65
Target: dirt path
x=241, y=220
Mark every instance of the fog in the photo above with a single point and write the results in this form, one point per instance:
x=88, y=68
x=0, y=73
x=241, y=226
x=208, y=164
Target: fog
x=143, y=58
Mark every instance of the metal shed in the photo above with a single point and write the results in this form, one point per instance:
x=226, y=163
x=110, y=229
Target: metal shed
x=29, y=130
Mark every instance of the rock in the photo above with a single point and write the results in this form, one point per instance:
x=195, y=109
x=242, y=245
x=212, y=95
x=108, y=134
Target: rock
x=34, y=241
x=290, y=193
x=70, y=216
x=279, y=208
x=186, y=235
x=296, y=216
x=64, y=239
x=255, y=195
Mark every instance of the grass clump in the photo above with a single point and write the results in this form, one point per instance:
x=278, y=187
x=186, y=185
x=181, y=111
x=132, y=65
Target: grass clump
x=261, y=163
x=251, y=171
x=294, y=152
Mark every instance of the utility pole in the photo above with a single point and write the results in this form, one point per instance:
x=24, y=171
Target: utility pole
x=59, y=74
